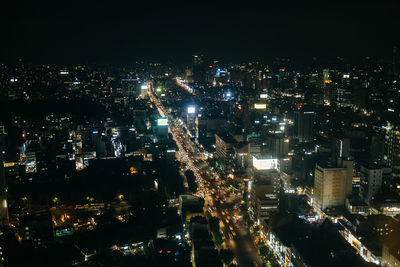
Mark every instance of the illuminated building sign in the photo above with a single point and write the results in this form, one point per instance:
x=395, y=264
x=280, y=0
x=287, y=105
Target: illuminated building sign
x=253, y=135
x=220, y=72
x=162, y=121
x=64, y=232
x=264, y=96
x=144, y=87
x=191, y=109
x=265, y=164
x=260, y=106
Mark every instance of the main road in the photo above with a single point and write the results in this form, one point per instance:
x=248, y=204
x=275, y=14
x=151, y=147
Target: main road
x=235, y=232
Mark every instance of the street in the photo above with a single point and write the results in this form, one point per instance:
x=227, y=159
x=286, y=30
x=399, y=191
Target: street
x=235, y=232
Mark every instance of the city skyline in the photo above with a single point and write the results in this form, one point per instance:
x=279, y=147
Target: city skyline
x=200, y=134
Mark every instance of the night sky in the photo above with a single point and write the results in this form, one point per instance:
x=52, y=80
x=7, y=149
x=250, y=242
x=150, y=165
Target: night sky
x=121, y=31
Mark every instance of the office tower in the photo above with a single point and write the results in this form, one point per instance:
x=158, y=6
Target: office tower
x=304, y=125
x=162, y=126
x=198, y=67
x=371, y=180
x=341, y=147
x=377, y=149
x=143, y=90
x=347, y=164
x=392, y=149
x=278, y=145
x=331, y=185
x=30, y=165
x=191, y=120
x=189, y=75
x=264, y=187
x=327, y=90
x=224, y=146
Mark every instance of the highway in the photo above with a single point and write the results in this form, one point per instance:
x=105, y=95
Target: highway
x=235, y=233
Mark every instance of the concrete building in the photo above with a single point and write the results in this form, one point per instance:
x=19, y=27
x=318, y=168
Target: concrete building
x=278, y=145
x=331, y=186
x=390, y=255
x=371, y=179
x=341, y=147
x=392, y=150
x=304, y=125
x=264, y=193
x=224, y=146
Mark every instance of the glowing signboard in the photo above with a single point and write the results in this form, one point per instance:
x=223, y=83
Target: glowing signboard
x=144, y=87
x=264, y=96
x=162, y=121
x=191, y=110
x=260, y=106
x=265, y=164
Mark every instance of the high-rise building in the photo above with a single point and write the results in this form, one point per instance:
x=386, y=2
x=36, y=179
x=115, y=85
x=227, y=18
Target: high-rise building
x=377, y=150
x=198, y=67
x=341, y=147
x=331, y=185
x=30, y=165
x=143, y=90
x=162, y=126
x=304, y=125
x=392, y=150
x=224, y=146
x=327, y=88
x=264, y=192
x=278, y=145
x=371, y=179
x=191, y=120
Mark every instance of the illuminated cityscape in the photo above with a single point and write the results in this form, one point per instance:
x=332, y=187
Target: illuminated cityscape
x=200, y=135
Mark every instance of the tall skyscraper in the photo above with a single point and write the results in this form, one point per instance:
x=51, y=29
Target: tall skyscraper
x=224, y=144
x=191, y=120
x=392, y=150
x=162, y=126
x=340, y=148
x=371, y=181
x=265, y=185
x=304, y=125
x=327, y=88
x=332, y=185
x=199, y=70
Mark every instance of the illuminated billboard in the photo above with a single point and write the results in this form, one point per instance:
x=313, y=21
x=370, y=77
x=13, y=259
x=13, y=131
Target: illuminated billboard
x=191, y=110
x=265, y=164
x=260, y=106
x=144, y=87
x=162, y=121
x=264, y=96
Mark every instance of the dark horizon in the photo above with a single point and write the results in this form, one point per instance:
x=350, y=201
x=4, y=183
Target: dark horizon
x=122, y=32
